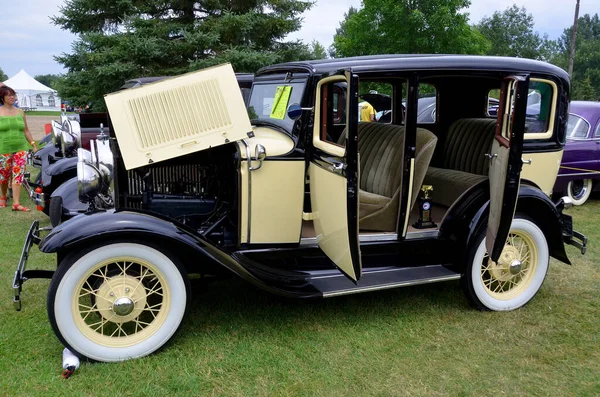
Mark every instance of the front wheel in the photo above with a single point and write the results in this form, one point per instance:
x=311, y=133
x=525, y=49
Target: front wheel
x=516, y=277
x=580, y=190
x=118, y=301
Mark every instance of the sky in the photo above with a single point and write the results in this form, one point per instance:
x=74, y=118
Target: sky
x=29, y=40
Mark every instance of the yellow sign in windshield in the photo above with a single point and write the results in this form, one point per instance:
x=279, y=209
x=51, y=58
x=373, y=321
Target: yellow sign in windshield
x=280, y=102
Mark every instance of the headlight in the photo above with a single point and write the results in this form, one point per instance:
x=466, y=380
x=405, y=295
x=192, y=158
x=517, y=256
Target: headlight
x=88, y=181
x=95, y=171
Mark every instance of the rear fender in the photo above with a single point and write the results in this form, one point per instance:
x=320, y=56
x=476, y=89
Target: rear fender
x=62, y=166
x=467, y=217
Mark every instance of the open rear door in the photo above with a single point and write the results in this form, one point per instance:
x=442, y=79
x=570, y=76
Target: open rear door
x=505, y=161
x=333, y=175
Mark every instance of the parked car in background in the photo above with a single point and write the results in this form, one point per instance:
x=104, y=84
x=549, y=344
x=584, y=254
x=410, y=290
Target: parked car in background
x=579, y=172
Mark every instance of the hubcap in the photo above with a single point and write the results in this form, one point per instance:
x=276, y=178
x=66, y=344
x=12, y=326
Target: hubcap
x=515, y=267
x=578, y=189
x=123, y=306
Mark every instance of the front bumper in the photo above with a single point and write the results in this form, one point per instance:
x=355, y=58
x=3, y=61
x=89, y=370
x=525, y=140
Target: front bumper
x=39, y=199
x=21, y=274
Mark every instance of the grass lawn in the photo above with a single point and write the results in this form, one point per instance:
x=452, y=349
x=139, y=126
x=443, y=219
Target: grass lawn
x=417, y=341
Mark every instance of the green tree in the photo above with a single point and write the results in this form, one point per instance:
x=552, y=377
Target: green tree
x=47, y=79
x=3, y=76
x=317, y=50
x=510, y=33
x=586, y=67
x=409, y=27
x=119, y=40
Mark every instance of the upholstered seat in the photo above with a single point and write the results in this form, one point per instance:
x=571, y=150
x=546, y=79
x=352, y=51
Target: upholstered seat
x=380, y=147
x=463, y=159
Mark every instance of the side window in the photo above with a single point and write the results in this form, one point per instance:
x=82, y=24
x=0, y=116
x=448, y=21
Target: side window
x=578, y=127
x=332, y=111
x=375, y=102
x=539, y=106
x=597, y=132
x=493, y=102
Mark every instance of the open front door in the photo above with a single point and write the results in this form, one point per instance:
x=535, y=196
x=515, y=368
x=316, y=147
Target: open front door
x=333, y=173
x=505, y=162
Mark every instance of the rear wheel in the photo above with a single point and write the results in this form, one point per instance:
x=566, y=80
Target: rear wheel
x=56, y=210
x=118, y=301
x=516, y=277
x=579, y=191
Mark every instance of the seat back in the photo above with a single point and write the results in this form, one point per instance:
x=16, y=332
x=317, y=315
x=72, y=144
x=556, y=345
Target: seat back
x=466, y=143
x=425, y=146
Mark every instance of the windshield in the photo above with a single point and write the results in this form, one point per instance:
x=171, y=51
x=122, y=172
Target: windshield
x=269, y=102
x=577, y=127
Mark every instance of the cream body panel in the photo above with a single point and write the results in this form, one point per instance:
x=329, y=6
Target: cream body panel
x=328, y=193
x=178, y=116
x=276, y=202
x=243, y=190
x=276, y=143
x=543, y=169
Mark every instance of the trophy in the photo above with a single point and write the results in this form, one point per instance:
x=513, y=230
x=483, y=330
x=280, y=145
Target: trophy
x=425, y=221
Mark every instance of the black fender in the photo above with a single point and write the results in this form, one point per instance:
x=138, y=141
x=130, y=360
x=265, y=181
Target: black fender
x=61, y=166
x=467, y=217
x=121, y=225
x=55, y=174
x=41, y=157
x=70, y=198
x=46, y=140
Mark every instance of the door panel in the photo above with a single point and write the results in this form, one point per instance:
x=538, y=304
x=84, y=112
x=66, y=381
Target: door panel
x=334, y=179
x=330, y=207
x=506, y=162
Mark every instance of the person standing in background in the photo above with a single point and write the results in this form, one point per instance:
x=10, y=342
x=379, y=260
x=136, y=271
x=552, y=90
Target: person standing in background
x=15, y=140
x=367, y=112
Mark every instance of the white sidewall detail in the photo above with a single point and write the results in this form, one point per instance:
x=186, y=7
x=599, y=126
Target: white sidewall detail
x=542, y=267
x=66, y=288
x=587, y=184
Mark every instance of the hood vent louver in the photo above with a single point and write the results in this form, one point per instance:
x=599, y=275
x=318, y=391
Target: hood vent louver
x=178, y=116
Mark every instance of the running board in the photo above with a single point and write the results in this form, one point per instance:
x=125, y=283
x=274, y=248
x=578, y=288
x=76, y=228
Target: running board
x=335, y=285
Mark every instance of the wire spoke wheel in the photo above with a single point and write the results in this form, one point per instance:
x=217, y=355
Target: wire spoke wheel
x=121, y=301
x=518, y=274
x=117, y=301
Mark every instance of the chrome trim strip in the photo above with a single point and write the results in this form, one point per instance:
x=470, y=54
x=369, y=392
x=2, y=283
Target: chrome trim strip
x=580, y=174
x=424, y=234
x=393, y=285
x=249, y=165
x=364, y=238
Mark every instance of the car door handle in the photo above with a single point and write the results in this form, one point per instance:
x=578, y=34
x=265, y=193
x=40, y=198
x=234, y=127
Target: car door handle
x=526, y=161
x=491, y=155
x=338, y=168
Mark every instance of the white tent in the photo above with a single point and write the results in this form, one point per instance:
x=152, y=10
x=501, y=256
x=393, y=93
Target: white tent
x=33, y=94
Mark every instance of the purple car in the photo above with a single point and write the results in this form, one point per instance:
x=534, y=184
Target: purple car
x=580, y=168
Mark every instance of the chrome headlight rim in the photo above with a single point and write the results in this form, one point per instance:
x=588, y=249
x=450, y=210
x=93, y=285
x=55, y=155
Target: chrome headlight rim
x=88, y=181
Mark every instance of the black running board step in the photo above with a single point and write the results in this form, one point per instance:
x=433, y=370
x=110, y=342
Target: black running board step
x=334, y=285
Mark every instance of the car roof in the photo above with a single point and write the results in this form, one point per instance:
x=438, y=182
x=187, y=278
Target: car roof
x=419, y=62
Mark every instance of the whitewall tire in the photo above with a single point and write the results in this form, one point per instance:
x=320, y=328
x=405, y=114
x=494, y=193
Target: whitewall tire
x=580, y=190
x=516, y=277
x=118, y=301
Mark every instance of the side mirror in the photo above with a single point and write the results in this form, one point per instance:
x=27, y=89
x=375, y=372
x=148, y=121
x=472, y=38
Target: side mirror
x=294, y=111
x=260, y=155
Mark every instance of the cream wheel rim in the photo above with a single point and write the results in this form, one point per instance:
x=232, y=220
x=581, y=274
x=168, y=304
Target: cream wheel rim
x=121, y=302
x=515, y=269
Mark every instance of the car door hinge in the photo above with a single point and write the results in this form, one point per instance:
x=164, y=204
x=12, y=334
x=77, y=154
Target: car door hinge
x=308, y=216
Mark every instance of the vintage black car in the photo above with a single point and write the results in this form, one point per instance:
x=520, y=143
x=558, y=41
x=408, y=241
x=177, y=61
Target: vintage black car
x=303, y=200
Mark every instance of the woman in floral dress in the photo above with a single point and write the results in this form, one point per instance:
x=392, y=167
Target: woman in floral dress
x=15, y=140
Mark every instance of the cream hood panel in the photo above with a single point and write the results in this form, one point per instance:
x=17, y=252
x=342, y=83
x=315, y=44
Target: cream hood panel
x=178, y=116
